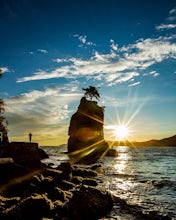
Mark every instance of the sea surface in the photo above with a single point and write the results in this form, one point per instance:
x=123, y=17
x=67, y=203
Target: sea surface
x=144, y=177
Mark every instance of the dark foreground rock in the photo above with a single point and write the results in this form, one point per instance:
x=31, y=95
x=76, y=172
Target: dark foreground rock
x=22, y=152
x=89, y=203
x=86, y=142
x=65, y=192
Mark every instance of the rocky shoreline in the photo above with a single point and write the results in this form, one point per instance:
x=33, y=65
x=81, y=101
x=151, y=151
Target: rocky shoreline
x=67, y=192
x=42, y=192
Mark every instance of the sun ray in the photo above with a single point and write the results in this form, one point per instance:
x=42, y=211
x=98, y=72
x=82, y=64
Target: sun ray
x=121, y=132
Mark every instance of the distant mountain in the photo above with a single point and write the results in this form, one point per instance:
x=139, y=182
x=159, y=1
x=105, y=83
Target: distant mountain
x=170, y=141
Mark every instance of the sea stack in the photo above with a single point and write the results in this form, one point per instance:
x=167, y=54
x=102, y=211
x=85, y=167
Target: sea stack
x=86, y=144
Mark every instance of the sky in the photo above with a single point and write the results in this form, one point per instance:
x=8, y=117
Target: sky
x=52, y=49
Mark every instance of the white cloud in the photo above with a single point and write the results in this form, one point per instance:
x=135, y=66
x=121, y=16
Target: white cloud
x=115, y=67
x=31, y=52
x=83, y=40
x=172, y=15
x=58, y=60
x=113, y=45
x=172, y=11
x=38, y=110
x=165, y=26
x=134, y=84
x=153, y=73
x=43, y=51
x=171, y=18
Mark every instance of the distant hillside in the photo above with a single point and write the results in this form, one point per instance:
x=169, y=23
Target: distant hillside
x=170, y=141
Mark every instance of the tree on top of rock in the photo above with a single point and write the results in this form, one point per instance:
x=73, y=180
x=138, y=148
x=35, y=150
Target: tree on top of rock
x=91, y=92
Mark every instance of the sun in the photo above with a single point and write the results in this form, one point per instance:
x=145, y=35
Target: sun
x=121, y=132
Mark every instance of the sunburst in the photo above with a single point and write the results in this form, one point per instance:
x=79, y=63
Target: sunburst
x=121, y=132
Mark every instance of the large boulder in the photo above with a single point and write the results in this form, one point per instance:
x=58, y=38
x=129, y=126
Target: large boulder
x=89, y=203
x=86, y=143
x=24, y=153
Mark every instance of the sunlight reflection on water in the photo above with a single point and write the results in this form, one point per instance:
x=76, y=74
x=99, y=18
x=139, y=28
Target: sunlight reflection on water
x=142, y=176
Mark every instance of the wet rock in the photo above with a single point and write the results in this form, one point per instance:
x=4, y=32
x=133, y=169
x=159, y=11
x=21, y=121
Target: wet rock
x=84, y=172
x=59, y=194
x=66, y=170
x=60, y=210
x=112, y=153
x=89, y=203
x=77, y=180
x=64, y=193
x=42, y=154
x=66, y=185
x=35, y=207
x=52, y=172
x=6, y=203
x=90, y=182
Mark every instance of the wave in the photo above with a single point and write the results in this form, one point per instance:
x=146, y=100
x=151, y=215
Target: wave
x=163, y=183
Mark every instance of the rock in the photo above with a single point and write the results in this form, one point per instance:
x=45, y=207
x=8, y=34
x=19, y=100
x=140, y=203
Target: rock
x=89, y=203
x=60, y=210
x=6, y=203
x=58, y=194
x=9, y=171
x=112, y=153
x=35, y=207
x=43, y=154
x=84, y=172
x=90, y=182
x=86, y=143
x=66, y=185
x=66, y=170
x=6, y=160
x=77, y=180
x=24, y=153
x=68, y=192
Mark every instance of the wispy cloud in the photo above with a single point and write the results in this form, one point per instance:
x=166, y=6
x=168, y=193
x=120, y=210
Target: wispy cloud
x=38, y=110
x=83, y=40
x=134, y=84
x=172, y=15
x=43, y=51
x=165, y=26
x=31, y=52
x=171, y=18
x=114, y=46
x=120, y=65
x=152, y=73
x=38, y=51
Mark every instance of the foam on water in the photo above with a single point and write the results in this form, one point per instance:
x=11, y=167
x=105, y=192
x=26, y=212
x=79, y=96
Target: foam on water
x=142, y=176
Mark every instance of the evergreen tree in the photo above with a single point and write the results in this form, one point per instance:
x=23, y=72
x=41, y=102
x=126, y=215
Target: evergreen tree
x=91, y=92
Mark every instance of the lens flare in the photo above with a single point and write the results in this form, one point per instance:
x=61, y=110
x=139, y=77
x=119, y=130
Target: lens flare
x=121, y=132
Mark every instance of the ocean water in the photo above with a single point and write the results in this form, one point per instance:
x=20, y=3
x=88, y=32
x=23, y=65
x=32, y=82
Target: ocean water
x=144, y=177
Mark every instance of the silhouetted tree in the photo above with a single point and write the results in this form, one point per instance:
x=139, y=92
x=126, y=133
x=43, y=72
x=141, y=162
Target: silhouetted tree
x=91, y=92
x=3, y=121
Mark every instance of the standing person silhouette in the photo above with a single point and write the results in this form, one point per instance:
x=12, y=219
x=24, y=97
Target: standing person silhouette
x=30, y=137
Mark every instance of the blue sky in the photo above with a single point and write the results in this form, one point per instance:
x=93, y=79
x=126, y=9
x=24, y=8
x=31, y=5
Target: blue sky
x=50, y=50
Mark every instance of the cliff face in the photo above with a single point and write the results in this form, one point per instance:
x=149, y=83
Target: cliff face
x=86, y=143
